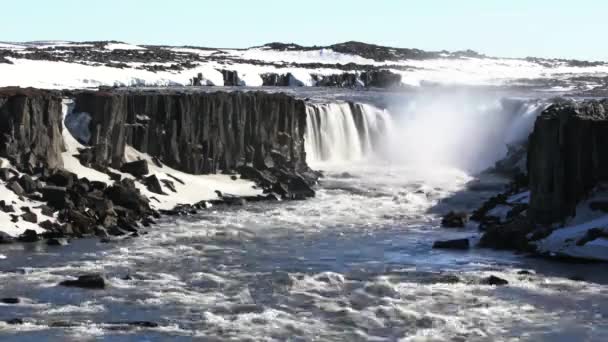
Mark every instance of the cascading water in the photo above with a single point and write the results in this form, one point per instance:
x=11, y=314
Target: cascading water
x=463, y=131
x=345, y=131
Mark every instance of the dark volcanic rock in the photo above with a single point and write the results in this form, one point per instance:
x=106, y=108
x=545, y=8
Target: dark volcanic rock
x=125, y=194
x=5, y=238
x=30, y=128
x=10, y=300
x=89, y=281
x=138, y=168
x=16, y=188
x=454, y=220
x=28, y=184
x=30, y=217
x=153, y=184
x=29, y=236
x=452, y=244
x=63, y=178
x=494, y=280
x=198, y=132
x=566, y=157
x=511, y=235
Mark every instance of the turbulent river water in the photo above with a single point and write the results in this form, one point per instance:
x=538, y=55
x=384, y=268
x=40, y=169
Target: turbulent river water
x=353, y=264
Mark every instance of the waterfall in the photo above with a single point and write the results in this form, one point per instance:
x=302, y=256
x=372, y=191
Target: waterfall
x=469, y=132
x=339, y=132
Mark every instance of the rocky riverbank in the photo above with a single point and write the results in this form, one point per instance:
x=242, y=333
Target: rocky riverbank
x=107, y=163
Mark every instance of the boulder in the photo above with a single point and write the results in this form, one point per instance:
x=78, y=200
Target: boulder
x=55, y=196
x=62, y=178
x=137, y=168
x=153, y=185
x=125, y=194
x=494, y=280
x=454, y=220
x=29, y=217
x=29, y=236
x=10, y=300
x=88, y=281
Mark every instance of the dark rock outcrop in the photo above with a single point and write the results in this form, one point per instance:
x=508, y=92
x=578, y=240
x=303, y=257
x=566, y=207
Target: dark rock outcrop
x=196, y=132
x=30, y=128
x=454, y=220
x=567, y=157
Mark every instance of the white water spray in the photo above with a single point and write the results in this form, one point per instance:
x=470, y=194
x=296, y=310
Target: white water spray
x=467, y=131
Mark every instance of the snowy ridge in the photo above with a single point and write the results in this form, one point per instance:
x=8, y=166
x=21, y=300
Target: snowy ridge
x=60, y=64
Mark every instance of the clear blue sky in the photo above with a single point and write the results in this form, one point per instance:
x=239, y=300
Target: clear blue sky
x=511, y=28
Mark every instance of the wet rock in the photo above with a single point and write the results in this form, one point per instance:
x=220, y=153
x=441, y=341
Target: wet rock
x=88, y=281
x=29, y=236
x=494, y=280
x=299, y=189
x=134, y=324
x=511, y=235
x=454, y=220
x=5, y=238
x=15, y=321
x=137, y=168
x=10, y=300
x=452, y=244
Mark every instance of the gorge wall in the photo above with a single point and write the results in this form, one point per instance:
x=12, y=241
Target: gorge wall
x=567, y=157
x=30, y=128
x=197, y=132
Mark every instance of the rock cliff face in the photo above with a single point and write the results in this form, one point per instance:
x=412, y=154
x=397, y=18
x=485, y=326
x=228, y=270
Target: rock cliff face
x=197, y=132
x=567, y=156
x=30, y=128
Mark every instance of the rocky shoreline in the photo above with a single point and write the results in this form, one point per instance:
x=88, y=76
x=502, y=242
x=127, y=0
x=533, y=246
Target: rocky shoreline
x=256, y=135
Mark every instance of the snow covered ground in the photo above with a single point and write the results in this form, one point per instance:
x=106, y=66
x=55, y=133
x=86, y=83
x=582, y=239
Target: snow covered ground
x=568, y=240
x=84, y=71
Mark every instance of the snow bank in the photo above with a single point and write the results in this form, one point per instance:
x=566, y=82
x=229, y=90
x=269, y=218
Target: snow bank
x=563, y=241
x=196, y=188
